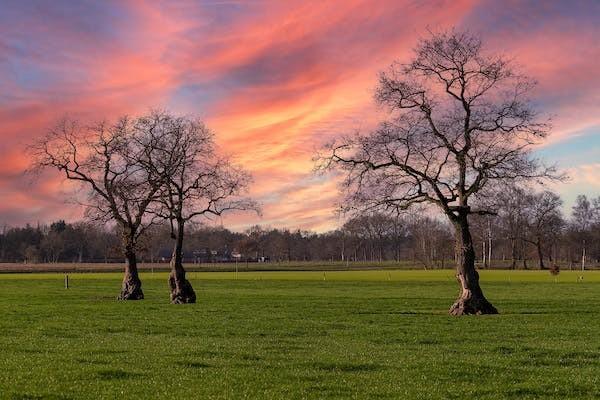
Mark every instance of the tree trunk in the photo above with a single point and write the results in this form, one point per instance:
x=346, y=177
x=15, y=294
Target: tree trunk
x=489, y=258
x=513, y=254
x=182, y=291
x=538, y=245
x=132, y=286
x=471, y=299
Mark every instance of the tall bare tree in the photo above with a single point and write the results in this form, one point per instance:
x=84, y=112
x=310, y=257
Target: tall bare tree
x=103, y=158
x=198, y=183
x=459, y=122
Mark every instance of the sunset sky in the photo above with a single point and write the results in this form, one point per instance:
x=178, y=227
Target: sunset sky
x=273, y=80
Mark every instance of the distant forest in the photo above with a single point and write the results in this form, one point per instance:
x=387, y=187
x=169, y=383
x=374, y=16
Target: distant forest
x=529, y=231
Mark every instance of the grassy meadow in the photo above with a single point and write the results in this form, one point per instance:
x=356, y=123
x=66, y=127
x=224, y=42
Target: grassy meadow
x=300, y=335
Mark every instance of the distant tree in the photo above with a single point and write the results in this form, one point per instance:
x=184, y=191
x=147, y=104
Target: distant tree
x=584, y=218
x=481, y=231
x=53, y=246
x=460, y=122
x=381, y=227
x=197, y=183
x=80, y=235
x=595, y=230
x=58, y=226
x=19, y=244
x=359, y=229
x=155, y=239
x=276, y=245
x=31, y=254
x=103, y=158
x=251, y=245
x=510, y=202
x=583, y=213
x=543, y=220
x=429, y=240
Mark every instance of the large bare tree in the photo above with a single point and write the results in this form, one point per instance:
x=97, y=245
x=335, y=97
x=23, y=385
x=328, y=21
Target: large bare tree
x=104, y=159
x=459, y=122
x=198, y=183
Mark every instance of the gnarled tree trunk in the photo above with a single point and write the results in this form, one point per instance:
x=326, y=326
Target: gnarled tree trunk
x=182, y=291
x=471, y=299
x=132, y=285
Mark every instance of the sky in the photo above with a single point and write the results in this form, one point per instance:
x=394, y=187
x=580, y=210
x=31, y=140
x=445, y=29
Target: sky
x=274, y=80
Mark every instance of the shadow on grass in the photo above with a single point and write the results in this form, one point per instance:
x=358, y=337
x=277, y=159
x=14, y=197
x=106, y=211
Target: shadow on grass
x=539, y=357
x=329, y=390
x=427, y=342
x=116, y=374
x=91, y=362
x=249, y=357
x=541, y=393
x=109, y=351
x=27, y=396
x=60, y=334
x=552, y=312
x=346, y=367
x=34, y=351
x=557, y=358
x=401, y=313
x=193, y=364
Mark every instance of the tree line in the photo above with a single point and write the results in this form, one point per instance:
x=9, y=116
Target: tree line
x=529, y=232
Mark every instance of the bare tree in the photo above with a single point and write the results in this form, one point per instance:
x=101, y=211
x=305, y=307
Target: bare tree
x=459, y=122
x=582, y=220
x=103, y=158
x=428, y=238
x=198, y=183
x=510, y=203
x=544, y=219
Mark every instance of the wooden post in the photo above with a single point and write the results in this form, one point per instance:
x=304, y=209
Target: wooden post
x=66, y=281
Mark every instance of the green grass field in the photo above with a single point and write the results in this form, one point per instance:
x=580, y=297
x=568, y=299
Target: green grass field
x=300, y=335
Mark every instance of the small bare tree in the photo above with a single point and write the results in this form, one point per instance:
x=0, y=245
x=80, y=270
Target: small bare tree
x=198, y=184
x=460, y=122
x=544, y=220
x=510, y=204
x=584, y=214
x=103, y=158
